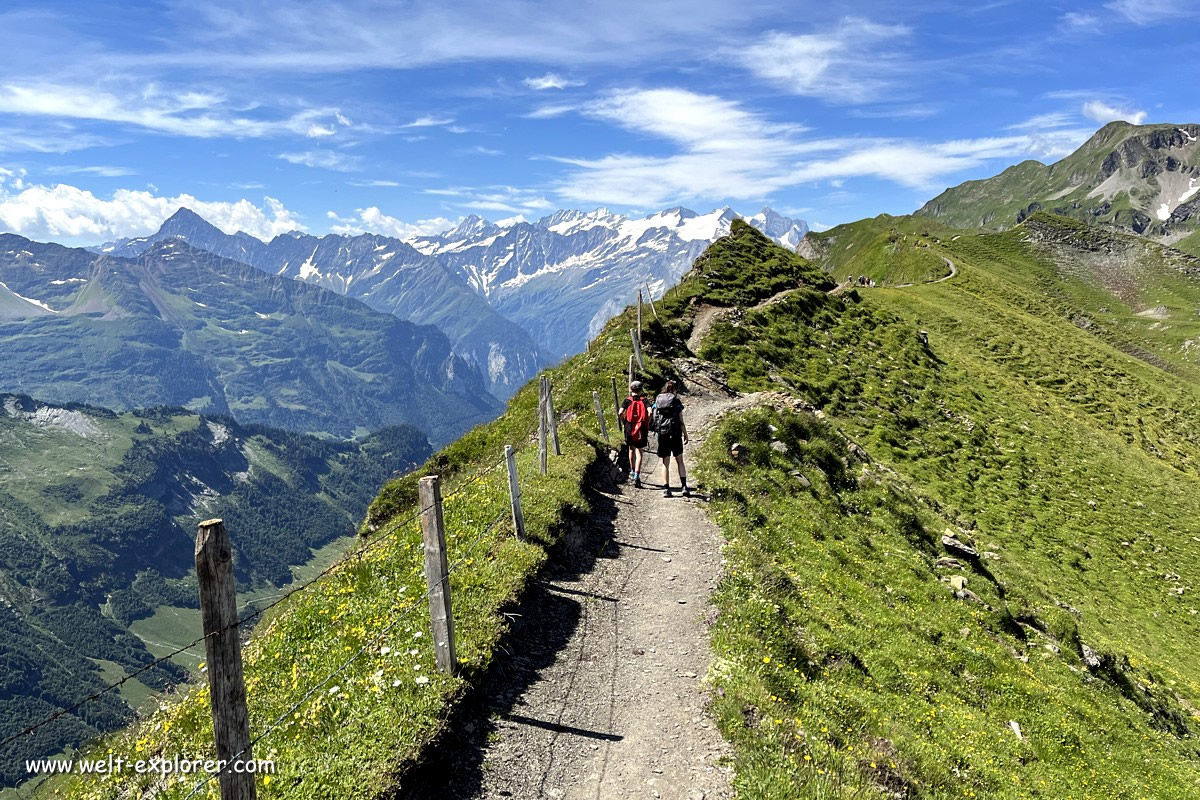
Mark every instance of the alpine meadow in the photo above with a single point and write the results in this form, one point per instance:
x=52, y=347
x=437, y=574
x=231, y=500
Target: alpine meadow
x=679, y=401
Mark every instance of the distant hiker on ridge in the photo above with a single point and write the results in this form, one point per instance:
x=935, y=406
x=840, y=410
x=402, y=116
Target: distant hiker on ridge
x=672, y=435
x=635, y=421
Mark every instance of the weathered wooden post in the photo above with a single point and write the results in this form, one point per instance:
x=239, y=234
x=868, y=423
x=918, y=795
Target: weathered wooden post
x=650, y=297
x=542, y=425
x=514, y=491
x=600, y=415
x=637, y=348
x=551, y=417
x=631, y=367
x=617, y=406
x=223, y=652
x=639, y=325
x=437, y=573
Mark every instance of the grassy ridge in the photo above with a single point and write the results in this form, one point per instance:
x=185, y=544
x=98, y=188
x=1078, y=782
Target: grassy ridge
x=847, y=666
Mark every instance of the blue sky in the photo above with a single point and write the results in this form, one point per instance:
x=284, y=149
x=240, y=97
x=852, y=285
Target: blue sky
x=399, y=117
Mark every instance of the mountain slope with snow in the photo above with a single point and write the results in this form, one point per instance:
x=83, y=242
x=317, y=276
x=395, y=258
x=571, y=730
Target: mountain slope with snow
x=562, y=277
x=386, y=274
x=510, y=297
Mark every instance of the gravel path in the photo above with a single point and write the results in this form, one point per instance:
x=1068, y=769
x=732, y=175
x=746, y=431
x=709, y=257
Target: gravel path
x=602, y=696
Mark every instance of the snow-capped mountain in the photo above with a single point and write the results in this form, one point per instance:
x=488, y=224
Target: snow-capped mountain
x=510, y=297
x=386, y=274
x=562, y=277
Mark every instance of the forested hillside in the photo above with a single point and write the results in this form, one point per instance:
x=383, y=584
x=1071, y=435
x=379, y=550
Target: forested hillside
x=97, y=519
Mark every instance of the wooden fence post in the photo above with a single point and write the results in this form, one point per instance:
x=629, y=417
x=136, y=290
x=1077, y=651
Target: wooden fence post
x=437, y=573
x=223, y=652
x=617, y=406
x=637, y=349
x=650, y=297
x=631, y=367
x=514, y=491
x=552, y=418
x=542, y=425
x=639, y=325
x=600, y=415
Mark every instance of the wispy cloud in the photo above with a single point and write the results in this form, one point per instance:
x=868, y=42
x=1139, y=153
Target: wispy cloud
x=480, y=150
x=907, y=111
x=1079, y=22
x=1153, y=12
x=551, y=80
x=507, y=199
x=177, y=112
x=324, y=159
x=428, y=121
x=550, y=111
x=727, y=151
x=1102, y=112
x=846, y=64
x=99, y=171
x=1054, y=119
x=376, y=183
x=65, y=212
x=306, y=36
x=372, y=220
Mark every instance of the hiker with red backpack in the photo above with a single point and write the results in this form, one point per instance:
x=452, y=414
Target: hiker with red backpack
x=672, y=435
x=635, y=421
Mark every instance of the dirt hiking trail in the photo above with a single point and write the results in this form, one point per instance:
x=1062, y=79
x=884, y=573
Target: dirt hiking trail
x=601, y=695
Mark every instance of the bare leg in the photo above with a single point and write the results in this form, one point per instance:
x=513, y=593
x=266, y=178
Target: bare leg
x=681, y=469
x=666, y=462
x=636, y=456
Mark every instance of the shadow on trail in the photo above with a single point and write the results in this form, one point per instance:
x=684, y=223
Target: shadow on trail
x=543, y=624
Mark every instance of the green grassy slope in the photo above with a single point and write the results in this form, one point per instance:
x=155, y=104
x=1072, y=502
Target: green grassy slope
x=890, y=250
x=848, y=667
x=97, y=514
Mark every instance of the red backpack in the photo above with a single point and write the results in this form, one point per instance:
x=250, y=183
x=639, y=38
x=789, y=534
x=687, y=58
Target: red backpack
x=637, y=417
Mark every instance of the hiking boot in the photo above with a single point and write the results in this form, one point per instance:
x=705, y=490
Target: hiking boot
x=667, y=492
x=637, y=483
x=687, y=492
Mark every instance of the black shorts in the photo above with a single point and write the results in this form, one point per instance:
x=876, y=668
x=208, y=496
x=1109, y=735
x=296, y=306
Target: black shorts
x=670, y=445
x=635, y=443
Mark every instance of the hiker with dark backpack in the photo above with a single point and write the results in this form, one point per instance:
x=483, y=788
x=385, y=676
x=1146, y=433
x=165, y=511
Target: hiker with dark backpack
x=672, y=435
x=635, y=422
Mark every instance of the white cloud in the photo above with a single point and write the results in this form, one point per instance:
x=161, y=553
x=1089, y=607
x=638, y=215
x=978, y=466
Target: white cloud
x=99, y=171
x=1079, y=22
x=551, y=80
x=64, y=212
x=377, y=183
x=725, y=151
x=175, y=112
x=324, y=159
x=846, y=64
x=549, y=111
x=352, y=35
x=1151, y=12
x=1054, y=119
x=372, y=220
x=507, y=199
x=1103, y=113
x=480, y=150
x=428, y=121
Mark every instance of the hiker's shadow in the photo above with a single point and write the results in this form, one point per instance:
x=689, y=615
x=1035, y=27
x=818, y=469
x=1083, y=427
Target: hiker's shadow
x=540, y=627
